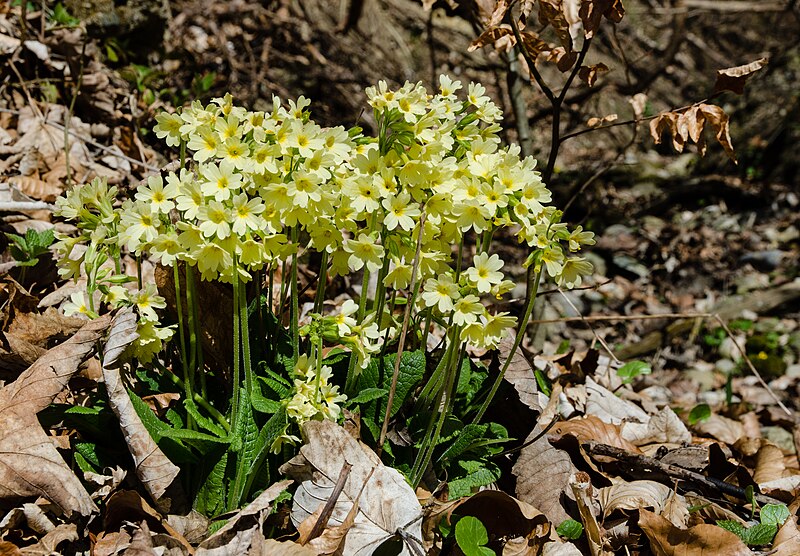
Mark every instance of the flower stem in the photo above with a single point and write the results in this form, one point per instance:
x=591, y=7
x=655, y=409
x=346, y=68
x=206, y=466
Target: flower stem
x=322, y=282
x=245, y=337
x=534, y=277
x=195, y=333
x=294, y=314
x=187, y=380
x=236, y=346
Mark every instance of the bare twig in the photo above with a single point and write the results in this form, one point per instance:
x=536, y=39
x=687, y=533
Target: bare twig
x=594, y=332
x=645, y=463
x=330, y=503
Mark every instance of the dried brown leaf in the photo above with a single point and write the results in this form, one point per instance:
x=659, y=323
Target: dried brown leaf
x=718, y=119
x=490, y=36
x=239, y=529
x=665, y=427
x=499, y=12
x=525, y=9
x=592, y=429
x=551, y=12
x=787, y=541
x=141, y=543
x=668, y=121
x=581, y=486
x=561, y=549
x=602, y=403
x=29, y=463
x=633, y=495
x=543, y=473
x=271, y=547
x=388, y=502
x=153, y=468
x=700, y=540
x=769, y=463
x=47, y=545
x=721, y=428
x=734, y=79
x=592, y=12
x=533, y=44
x=597, y=122
x=520, y=375
x=588, y=74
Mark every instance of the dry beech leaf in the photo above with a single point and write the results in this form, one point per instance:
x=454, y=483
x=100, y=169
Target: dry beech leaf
x=721, y=428
x=582, y=488
x=271, y=547
x=633, y=495
x=543, y=473
x=520, y=375
x=668, y=121
x=603, y=404
x=525, y=9
x=238, y=531
x=734, y=79
x=665, y=427
x=592, y=12
x=66, y=532
x=718, y=119
x=769, y=463
x=533, y=44
x=506, y=517
x=30, y=465
x=561, y=549
x=141, y=542
x=787, y=541
x=592, y=429
x=588, y=74
x=499, y=12
x=597, y=122
x=638, y=102
x=700, y=540
x=490, y=36
x=551, y=12
x=387, y=504
x=153, y=468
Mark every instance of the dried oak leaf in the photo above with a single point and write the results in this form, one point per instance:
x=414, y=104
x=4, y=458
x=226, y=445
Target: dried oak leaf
x=387, y=503
x=734, y=79
x=633, y=495
x=153, y=468
x=30, y=465
x=592, y=429
x=700, y=540
x=543, y=473
x=787, y=541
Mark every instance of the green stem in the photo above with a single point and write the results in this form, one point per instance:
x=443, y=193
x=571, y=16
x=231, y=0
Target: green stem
x=236, y=346
x=245, y=338
x=201, y=401
x=176, y=276
x=322, y=282
x=197, y=364
x=534, y=277
x=294, y=315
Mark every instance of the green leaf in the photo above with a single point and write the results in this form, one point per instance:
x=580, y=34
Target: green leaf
x=699, y=413
x=263, y=404
x=629, y=371
x=210, y=499
x=774, y=514
x=274, y=427
x=367, y=395
x=173, y=448
x=733, y=526
x=89, y=452
x=468, y=435
x=760, y=534
x=246, y=447
x=378, y=374
x=190, y=435
x=84, y=465
x=570, y=529
x=479, y=473
x=202, y=420
x=471, y=536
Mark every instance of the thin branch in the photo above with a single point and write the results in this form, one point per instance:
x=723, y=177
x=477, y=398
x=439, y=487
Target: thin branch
x=548, y=92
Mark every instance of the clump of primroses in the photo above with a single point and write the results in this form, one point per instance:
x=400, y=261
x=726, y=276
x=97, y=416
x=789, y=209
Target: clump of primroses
x=430, y=191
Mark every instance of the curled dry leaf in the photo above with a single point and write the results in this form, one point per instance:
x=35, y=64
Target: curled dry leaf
x=721, y=428
x=520, y=373
x=543, y=473
x=505, y=517
x=603, y=404
x=597, y=122
x=592, y=12
x=644, y=494
x=690, y=124
x=787, y=541
x=734, y=79
x=499, y=12
x=582, y=489
x=66, y=532
x=665, y=427
x=153, y=468
x=30, y=465
x=700, y=540
x=490, y=36
x=591, y=428
x=387, y=503
x=239, y=530
x=588, y=74
x=769, y=463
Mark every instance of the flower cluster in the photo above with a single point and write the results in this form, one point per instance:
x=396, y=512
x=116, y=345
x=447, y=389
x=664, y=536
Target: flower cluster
x=94, y=255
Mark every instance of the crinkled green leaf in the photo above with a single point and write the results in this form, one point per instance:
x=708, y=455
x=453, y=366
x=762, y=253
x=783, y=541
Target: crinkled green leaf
x=774, y=514
x=210, y=499
x=733, y=526
x=367, y=395
x=759, y=534
x=478, y=474
x=202, y=420
x=468, y=435
x=570, y=529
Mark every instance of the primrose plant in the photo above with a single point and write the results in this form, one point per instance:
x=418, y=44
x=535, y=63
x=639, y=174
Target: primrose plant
x=412, y=212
